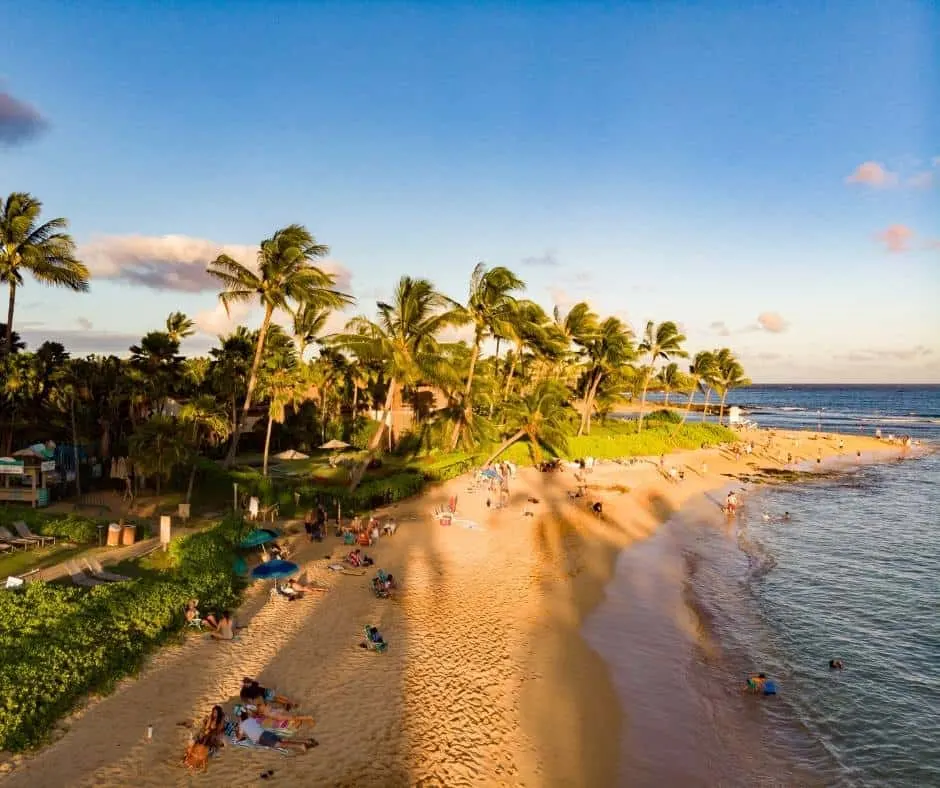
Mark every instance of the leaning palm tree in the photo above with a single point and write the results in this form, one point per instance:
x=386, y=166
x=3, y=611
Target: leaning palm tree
x=285, y=276
x=489, y=310
x=729, y=375
x=179, y=327
x=607, y=350
x=659, y=342
x=45, y=251
x=539, y=416
x=701, y=373
x=284, y=387
x=525, y=327
x=403, y=339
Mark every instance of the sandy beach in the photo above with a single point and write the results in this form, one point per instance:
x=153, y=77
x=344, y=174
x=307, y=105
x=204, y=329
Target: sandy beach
x=487, y=680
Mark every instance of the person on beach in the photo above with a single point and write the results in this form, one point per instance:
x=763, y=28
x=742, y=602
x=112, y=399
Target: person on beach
x=308, y=524
x=836, y=664
x=252, y=691
x=250, y=728
x=225, y=629
x=212, y=731
x=731, y=503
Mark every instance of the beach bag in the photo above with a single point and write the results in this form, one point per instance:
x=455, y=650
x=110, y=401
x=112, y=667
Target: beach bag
x=197, y=757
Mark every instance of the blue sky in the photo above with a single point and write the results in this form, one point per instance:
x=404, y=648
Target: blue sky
x=767, y=176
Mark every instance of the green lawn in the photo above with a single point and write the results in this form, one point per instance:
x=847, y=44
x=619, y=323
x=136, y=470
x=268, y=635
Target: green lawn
x=38, y=558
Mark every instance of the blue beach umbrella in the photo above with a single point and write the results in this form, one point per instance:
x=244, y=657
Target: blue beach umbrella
x=275, y=570
x=258, y=537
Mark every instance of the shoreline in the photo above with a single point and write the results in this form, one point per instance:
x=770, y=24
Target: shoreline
x=488, y=680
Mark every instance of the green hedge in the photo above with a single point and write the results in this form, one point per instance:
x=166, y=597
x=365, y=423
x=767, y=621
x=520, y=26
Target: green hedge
x=58, y=643
x=74, y=528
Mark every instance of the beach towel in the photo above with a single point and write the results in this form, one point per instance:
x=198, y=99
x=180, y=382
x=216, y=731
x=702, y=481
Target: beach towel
x=248, y=744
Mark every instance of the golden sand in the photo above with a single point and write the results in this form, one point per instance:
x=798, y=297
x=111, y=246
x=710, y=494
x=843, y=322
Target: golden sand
x=487, y=680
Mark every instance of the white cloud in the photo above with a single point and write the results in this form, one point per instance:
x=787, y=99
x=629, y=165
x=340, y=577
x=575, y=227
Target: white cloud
x=173, y=262
x=772, y=322
x=896, y=237
x=217, y=322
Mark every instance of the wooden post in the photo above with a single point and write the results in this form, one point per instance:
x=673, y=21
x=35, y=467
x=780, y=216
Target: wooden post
x=165, y=532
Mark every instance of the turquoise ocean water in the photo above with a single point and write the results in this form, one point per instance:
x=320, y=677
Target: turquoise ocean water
x=854, y=574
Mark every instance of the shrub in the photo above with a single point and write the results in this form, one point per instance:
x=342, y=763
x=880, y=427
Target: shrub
x=363, y=432
x=74, y=528
x=59, y=643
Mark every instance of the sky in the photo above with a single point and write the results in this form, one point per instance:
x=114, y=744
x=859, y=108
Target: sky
x=767, y=175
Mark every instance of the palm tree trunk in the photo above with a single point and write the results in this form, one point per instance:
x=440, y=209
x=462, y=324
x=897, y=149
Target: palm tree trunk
x=589, y=404
x=389, y=399
x=721, y=409
x=468, y=407
x=78, y=475
x=685, y=413
x=646, y=383
x=267, y=444
x=512, y=368
x=506, y=444
x=708, y=393
x=665, y=398
x=252, y=383
x=355, y=402
x=8, y=345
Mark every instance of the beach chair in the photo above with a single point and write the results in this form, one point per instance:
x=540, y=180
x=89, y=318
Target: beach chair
x=374, y=640
x=15, y=541
x=5, y=548
x=22, y=530
x=79, y=578
x=93, y=567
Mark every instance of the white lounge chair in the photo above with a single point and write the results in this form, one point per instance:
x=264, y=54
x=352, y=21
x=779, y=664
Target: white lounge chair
x=80, y=578
x=94, y=568
x=22, y=530
x=15, y=541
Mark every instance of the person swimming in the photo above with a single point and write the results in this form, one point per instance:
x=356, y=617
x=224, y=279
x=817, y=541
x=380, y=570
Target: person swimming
x=786, y=515
x=836, y=664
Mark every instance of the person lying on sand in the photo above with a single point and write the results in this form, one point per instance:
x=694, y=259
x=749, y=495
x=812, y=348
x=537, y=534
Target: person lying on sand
x=249, y=728
x=358, y=558
x=266, y=714
x=299, y=586
x=252, y=692
x=192, y=614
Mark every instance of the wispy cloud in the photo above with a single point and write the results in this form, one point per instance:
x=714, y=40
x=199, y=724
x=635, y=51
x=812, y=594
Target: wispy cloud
x=873, y=174
x=173, y=262
x=889, y=354
x=720, y=328
x=921, y=180
x=19, y=121
x=546, y=260
x=896, y=238
x=84, y=323
x=772, y=322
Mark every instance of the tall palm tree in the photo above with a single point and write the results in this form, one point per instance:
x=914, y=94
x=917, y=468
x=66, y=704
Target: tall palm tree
x=179, y=327
x=669, y=379
x=45, y=251
x=159, y=366
x=157, y=446
x=284, y=277
x=729, y=375
x=607, y=350
x=209, y=425
x=284, y=386
x=659, y=342
x=539, y=416
x=15, y=343
x=701, y=373
x=489, y=310
x=403, y=339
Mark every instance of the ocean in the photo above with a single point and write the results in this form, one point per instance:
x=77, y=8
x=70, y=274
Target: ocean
x=852, y=574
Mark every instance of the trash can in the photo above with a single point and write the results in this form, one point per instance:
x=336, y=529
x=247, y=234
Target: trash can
x=114, y=535
x=129, y=534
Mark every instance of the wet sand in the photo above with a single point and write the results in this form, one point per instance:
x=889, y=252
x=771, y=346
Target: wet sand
x=487, y=680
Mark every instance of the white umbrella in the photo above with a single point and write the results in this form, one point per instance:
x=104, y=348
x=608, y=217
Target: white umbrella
x=335, y=444
x=292, y=454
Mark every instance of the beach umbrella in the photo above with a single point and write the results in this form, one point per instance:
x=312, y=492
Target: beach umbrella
x=275, y=570
x=258, y=537
x=335, y=444
x=292, y=454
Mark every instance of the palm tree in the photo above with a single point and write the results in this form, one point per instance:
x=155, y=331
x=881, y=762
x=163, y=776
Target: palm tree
x=308, y=322
x=158, y=446
x=669, y=379
x=607, y=350
x=285, y=276
x=659, y=342
x=489, y=310
x=525, y=327
x=179, y=327
x=209, y=424
x=43, y=250
x=403, y=338
x=729, y=375
x=284, y=386
x=159, y=366
x=16, y=343
x=701, y=373
x=539, y=416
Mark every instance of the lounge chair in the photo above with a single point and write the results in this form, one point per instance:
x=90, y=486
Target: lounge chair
x=93, y=567
x=80, y=578
x=22, y=530
x=4, y=547
x=15, y=541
